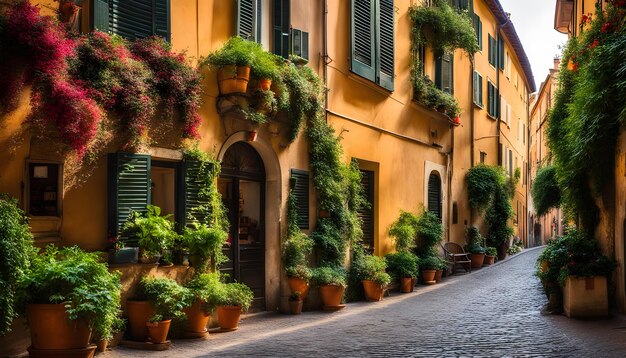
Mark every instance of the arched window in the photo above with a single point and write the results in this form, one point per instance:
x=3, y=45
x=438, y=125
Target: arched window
x=434, y=193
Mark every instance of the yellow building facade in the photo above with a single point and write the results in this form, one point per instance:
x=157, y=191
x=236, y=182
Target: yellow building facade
x=410, y=156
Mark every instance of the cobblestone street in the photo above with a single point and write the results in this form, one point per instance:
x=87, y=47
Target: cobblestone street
x=491, y=312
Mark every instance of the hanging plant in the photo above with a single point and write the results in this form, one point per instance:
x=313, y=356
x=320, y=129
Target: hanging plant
x=443, y=29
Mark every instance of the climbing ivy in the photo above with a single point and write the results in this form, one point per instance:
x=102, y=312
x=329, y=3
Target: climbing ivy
x=545, y=191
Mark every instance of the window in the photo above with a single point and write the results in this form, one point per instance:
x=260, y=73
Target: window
x=500, y=53
x=492, y=51
x=43, y=189
x=249, y=19
x=372, y=41
x=510, y=162
x=492, y=100
x=478, y=28
x=461, y=4
x=300, y=190
x=434, y=194
x=478, y=89
x=367, y=214
x=444, y=79
x=455, y=213
x=507, y=65
x=133, y=19
x=483, y=157
x=300, y=43
x=282, y=23
x=505, y=112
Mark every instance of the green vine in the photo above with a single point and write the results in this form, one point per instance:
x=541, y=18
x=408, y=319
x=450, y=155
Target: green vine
x=443, y=29
x=296, y=245
x=545, y=191
x=589, y=112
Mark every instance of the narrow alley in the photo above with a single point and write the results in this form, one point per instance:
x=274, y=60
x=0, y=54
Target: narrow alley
x=492, y=312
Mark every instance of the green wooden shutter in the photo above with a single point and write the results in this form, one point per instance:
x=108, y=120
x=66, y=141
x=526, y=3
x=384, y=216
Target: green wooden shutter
x=362, y=39
x=305, y=45
x=128, y=187
x=300, y=189
x=478, y=28
x=101, y=15
x=246, y=19
x=386, y=44
x=492, y=51
x=139, y=18
x=193, y=183
x=300, y=43
x=282, y=24
x=434, y=194
x=443, y=73
x=367, y=214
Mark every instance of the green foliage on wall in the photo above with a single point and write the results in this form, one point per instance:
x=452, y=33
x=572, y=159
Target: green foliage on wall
x=545, y=191
x=297, y=246
x=589, y=111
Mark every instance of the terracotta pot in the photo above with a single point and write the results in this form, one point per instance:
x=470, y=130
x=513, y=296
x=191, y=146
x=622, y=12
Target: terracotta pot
x=228, y=317
x=373, y=291
x=438, y=276
x=157, y=331
x=477, y=260
x=489, y=260
x=331, y=295
x=265, y=84
x=252, y=136
x=197, y=318
x=545, y=265
x=428, y=276
x=406, y=284
x=102, y=345
x=295, y=307
x=324, y=214
x=139, y=312
x=298, y=284
x=233, y=79
x=51, y=328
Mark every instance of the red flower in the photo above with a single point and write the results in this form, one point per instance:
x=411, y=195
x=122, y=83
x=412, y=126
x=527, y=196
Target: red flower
x=594, y=44
x=607, y=27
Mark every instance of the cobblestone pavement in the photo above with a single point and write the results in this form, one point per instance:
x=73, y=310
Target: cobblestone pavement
x=492, y=312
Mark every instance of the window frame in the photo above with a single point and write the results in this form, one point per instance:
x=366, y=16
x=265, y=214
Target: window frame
x=96, y=18
x=492, y=100
x=440, y=63
x=478, y=30
x=27, y=187
x=478, y=78
x=492, y=55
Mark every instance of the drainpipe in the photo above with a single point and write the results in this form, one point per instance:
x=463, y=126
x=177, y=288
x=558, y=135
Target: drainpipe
x=527, y=166
x=449, y=170
x=472, y=134
x=498, y=120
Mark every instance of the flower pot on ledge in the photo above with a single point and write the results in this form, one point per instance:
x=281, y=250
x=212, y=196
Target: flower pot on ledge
x=233, y=79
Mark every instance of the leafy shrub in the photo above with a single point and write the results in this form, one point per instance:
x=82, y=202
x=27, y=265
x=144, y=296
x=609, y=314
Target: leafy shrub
x=404, y=231
x=79, y=280
x=17, y=249
x=370, y=267
x=154, y=232
x=402, y=264
x=429, y=233
x=482, y=183
x=206, y=288
x=329, y=276
x=235, y=294
x=236, y=51
x=474, y=240
x=166, y=295
x=205, y=243
x=545, y=191
x=430, y=263
x=297, y=246
x=491, y=251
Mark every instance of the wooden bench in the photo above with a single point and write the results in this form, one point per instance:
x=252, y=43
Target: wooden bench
x=456, y=256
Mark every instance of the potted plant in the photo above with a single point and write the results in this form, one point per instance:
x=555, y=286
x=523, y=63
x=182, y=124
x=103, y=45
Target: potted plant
x=165, y=300
x=490, y=255
x=119, y=253
x=295, y=303
x=117, y=331
x=265, y=67
x=332, y=284
x=155, y=233
x=403, y=266
x=428, y=268
x=477, y=252
x=69, y=294
x=204, y=289
x=297, y=246
x=370, y=270
x=233, y=62
x=443, y=265
x=205, y=244
x=233, y=299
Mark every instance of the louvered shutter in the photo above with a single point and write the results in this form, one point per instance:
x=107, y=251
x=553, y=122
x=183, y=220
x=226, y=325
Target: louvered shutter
x=193, y=183
x=443, y=73
x=363, y=39
x=101, y=15
x=305, y=45
x=367, y=214
x=134, y=19
x=282, y=23
x=296, y=42
x=500, y=52
x=386, y=44
x=492, y=51
x=128, y=187
x=246, y=19
x=478, y=28
x=300, y=190
x=434, y=194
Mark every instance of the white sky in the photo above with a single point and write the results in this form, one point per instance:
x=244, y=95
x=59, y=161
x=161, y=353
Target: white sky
x=534, y=23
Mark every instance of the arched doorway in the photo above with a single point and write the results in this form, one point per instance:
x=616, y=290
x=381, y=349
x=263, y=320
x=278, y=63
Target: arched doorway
x=434, y=194
x=242, y=185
